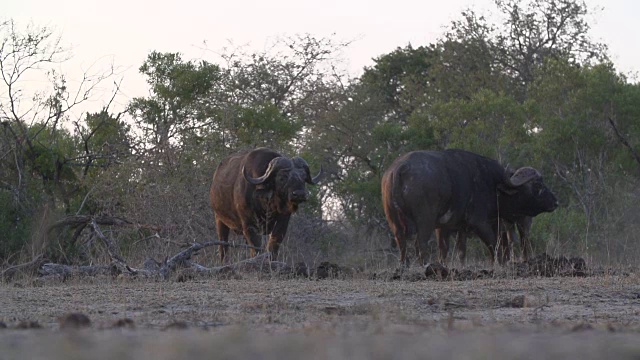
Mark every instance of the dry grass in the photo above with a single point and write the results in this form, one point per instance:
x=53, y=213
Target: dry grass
x=258, y=317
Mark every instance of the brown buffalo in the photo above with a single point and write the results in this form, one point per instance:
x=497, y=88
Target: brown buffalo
x=457, y=189
x=254, y=192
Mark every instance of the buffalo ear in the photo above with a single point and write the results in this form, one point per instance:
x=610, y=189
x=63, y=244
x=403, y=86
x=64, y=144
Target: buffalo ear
x=507, y=189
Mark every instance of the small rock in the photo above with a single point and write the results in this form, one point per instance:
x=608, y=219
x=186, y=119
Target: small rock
x=28, y=325
x=123, y=323
x=519, y=301
x=328, y=270
x=582, y=327
x=74, y=321
x=578, y=263
x=334, y=310
x=436, y=269
x=184, y=276
x=301, y=269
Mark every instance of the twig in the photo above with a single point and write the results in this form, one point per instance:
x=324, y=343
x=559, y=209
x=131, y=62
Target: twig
x=84, y=200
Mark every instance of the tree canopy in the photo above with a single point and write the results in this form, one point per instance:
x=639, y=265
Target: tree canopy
x=533, y=89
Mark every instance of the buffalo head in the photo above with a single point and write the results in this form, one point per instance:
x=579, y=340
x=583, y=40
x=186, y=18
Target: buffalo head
x=524, y=193
x=286, y=178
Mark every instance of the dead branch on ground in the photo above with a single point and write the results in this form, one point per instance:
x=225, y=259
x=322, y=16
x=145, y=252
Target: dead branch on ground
x=29, y=267
x=151, y=268
x=50, y=269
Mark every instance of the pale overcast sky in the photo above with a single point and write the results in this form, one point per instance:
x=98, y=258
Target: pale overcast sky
x=126, y=31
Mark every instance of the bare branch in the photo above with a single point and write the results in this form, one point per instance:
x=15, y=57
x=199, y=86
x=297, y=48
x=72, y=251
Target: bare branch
x=624, y=141
x=112, y=249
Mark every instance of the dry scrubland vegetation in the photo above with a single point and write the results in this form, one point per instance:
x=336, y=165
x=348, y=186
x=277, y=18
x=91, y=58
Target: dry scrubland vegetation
x=531, y=90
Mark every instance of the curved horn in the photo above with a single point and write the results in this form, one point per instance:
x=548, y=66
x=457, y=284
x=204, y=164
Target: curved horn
x=274, y=164
x=316, y=179
x=522, y=175
x=300, y=162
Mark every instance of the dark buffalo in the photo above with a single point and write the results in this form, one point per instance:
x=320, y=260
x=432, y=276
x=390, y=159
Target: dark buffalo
x=457, y=189
x=506, y=237
x=254, y=192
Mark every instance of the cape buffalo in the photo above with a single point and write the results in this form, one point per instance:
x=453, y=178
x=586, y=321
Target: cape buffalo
x=457, y=189
x=254, y=192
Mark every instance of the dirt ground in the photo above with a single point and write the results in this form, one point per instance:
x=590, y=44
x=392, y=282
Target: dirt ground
x=258, y=316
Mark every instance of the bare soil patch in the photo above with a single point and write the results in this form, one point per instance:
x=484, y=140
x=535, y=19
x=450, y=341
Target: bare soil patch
x=354, y=315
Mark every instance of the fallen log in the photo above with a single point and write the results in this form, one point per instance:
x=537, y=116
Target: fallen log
x=260, y=262
x=183, y=257
x=181, y=260
x=29, y=267
x=50, y=269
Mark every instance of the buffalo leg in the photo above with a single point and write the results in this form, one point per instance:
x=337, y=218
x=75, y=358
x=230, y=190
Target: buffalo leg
x=461, y=246
x=511, y=241
x=488, y=236
x=277, y=235
x=425, y=230
x=223, y=235
x=525, y=245
x=442, y=236
x=253, y=238
x=503, y=247
x=402, y=246
x=401, y=242
x=524, y=229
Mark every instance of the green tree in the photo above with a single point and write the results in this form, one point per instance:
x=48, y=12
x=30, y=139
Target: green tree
x=40, y=156
x=176, y=108
x=574, y=137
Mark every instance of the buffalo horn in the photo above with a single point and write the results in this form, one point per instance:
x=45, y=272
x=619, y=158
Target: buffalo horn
x=274, y=165
x=300, y=162
x=523, y=175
